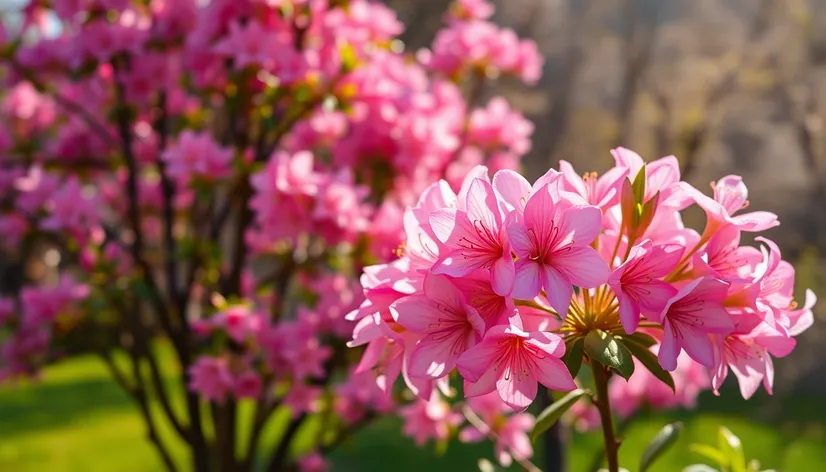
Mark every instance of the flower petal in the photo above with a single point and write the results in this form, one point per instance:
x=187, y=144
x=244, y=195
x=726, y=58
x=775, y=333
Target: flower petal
x=527, y=283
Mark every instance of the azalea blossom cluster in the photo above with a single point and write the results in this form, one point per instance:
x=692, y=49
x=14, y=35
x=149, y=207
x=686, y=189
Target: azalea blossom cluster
x=216, y=174
x=496, y=280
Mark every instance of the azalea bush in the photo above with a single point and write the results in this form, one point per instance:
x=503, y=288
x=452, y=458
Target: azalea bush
x=210, y=179
x=508, y=284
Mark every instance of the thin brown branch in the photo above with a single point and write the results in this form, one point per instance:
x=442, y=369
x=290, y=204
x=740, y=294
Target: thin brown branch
x=485, y=429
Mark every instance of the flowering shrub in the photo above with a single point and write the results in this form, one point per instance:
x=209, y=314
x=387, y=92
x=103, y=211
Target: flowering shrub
x=217, y=174
x=512, y=284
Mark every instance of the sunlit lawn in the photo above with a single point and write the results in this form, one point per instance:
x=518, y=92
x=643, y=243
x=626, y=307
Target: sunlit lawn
x=76, y=419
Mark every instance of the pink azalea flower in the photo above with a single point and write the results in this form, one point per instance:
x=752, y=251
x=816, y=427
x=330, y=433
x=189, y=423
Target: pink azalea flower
x=553, y=246
x=689, y=317
x=510, y=431
x=724, y=258
x=196, y=154
x=636, y=283
x=602, y=191
x=247, y=385
x=462, y=10
x=797, y=321
x=748, y=352
x=450, y=326
x=294, y=174
x=210, y=376
x=429, y=419
x=247, y=44
x=475, y=238
x=512, y=361
x=730, y=196
x=514, y=191
x=662, y=176
x=497, y=126
x=313, y=462
x=302, y=398
x=492, y=307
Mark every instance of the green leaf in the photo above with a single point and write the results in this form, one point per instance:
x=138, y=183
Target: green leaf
x=638, y=186
x=573, y=356
x=709, y=452
x=551, y=415
x=649, y=360
x=732, y=449
x=605, y=349
x=661, y=442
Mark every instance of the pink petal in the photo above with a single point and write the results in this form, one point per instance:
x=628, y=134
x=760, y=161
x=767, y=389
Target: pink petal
x=440, y=289
x=661, y=174
x=484, y=385
x=581, y=266
x=416, y=313
x=552, y=373
x=482, y=207
x=502, y=275
x=527, y=283
x=698, y=345
x=512, y=188
x=669, y=349
x=558, y=289
x=456, y=265
x=628, y=159
x=541, y=212
x=549, y=343
x=520, y=240
x=574, y=179
x=661, y=260
x=713, y=209
x=579, y=226
x=371, y=356
x=478, y=172
x=768, y=378
x=432, y=358
x=749, y=374
x=474, y=362
x=516, y=389
x=629, y=313
x=714, y=319
x=607, y=186
x=443, y=223
x=366, y=330
x=658, y=294
x=731, y=192
x=756, y=221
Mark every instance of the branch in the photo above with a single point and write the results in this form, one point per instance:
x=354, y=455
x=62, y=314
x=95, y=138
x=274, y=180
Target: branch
x=483, y=427
x=144, y=349
x=138, y=393
x=602, y=402
x=133, y=198
x=179, y=338
x=168, y=191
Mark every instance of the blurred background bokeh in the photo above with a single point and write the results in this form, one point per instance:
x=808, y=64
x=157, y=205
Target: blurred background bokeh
x=728, y=86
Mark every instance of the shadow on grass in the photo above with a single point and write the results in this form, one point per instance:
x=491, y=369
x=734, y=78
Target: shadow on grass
x=42, y=406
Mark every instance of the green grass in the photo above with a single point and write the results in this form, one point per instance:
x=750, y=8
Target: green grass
x=76, y=419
